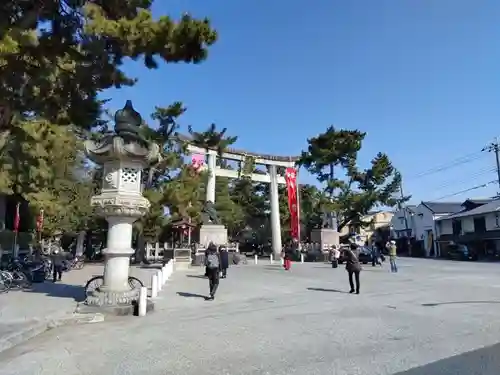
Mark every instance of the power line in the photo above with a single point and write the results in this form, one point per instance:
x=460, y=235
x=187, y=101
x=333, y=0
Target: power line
x=466, y=179
x=450, y=164
x=466, y=190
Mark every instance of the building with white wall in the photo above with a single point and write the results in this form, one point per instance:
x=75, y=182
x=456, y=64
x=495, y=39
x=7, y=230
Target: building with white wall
x=424, y=221
x=376, y=219
x=403, y=222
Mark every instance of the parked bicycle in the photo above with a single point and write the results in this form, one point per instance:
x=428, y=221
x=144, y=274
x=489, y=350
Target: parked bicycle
x=17, y=275
x=77, y=263
x=96, y=282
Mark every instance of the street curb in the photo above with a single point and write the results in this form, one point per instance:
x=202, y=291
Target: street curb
x=38, y=327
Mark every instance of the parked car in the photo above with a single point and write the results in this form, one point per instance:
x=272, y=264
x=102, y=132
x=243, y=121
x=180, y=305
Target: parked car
x=365, y=255
x=461, y=252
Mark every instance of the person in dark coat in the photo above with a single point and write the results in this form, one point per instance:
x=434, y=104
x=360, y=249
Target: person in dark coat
x=212, y=262
x=353, y=267
x=224, y=261
x=57, y=264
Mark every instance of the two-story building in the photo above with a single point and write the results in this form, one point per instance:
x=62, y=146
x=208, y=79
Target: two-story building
x=376, y=220
x=403, y=222
x=424, y=221
x=477, y=225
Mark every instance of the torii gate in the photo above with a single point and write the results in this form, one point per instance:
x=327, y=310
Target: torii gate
x=272, y=177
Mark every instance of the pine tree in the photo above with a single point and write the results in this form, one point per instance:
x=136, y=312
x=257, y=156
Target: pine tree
x=360, y=191
x=43, y=164
x=230, y=212
x=57, y=56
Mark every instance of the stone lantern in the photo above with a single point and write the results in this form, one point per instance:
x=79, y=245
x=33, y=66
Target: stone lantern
x=123, y=156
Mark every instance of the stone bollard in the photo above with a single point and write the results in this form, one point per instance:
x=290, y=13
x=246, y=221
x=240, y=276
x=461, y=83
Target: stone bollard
x=271, y=259
x=256, y=259
x=166, y=275
x=301, y=258
x=154, y=286
x=160, y=278
x=143, y=301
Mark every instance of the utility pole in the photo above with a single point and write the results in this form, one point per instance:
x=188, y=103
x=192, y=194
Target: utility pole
x=405, y=213
x=495, y=147
x=401, y=206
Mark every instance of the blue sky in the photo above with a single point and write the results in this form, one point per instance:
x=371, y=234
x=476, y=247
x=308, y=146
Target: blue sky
x=421, y=77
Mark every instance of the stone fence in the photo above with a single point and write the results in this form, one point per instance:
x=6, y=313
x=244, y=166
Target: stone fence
x=157, y=252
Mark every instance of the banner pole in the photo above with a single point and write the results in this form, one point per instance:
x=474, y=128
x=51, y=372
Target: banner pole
x=298, y=204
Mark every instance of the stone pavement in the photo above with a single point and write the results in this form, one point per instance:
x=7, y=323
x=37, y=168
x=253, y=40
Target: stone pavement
x=27, y=313
x=433, y=317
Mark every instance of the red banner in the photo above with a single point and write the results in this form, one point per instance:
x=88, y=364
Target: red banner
x=17, y=219
x=291, y=187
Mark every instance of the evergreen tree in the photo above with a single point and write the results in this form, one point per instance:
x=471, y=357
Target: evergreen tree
x=361, y=190
x=57, y=56
x=44, y=165
x=212, y=139
x=230, y=212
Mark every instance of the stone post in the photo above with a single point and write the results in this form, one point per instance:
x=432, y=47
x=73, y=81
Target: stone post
x=123, y=155
x=211, y=159
x=275, y=212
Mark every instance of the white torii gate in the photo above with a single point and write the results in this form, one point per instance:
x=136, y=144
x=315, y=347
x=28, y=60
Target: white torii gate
x=271, y=177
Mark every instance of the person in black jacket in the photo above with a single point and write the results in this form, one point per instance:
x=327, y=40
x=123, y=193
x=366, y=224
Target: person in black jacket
x=212, y=262
x=224, y=261
x=57, y=264
x=353, y=267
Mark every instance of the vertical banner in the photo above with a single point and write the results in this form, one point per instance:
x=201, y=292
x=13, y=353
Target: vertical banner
x=17, y=219
x=291, y=187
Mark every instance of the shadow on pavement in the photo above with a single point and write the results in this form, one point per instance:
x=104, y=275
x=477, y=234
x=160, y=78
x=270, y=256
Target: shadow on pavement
x=197, y=276
x=190, y=295
x=274, y=268
x=60, y=290
x=457, y=303
x=326, y=290
x=485, y=361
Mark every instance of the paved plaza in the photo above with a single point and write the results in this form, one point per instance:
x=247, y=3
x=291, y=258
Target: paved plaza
x=433, y=317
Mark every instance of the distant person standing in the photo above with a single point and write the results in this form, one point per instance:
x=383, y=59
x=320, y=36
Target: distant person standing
x=287, y=257
x=391, y=247
x=335, y=255
x=353, y=267
x=375, y=256
x=224, y=261
x=57, y=264
x=212, y=263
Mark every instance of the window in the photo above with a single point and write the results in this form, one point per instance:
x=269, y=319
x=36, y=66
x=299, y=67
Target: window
x=479, y=224
x=457, y=227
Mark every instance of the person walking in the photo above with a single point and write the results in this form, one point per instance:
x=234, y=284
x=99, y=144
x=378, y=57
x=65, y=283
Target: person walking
x=375, y=256
x=224, y=261
x=391, y=246
x=212, y=263
x=287, y=257
x=57, y=265
x=335, y=255
x=353, y=267
x=206, y=254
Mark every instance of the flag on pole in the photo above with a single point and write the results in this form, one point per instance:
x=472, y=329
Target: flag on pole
x=39, y=221
x=17, y=218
